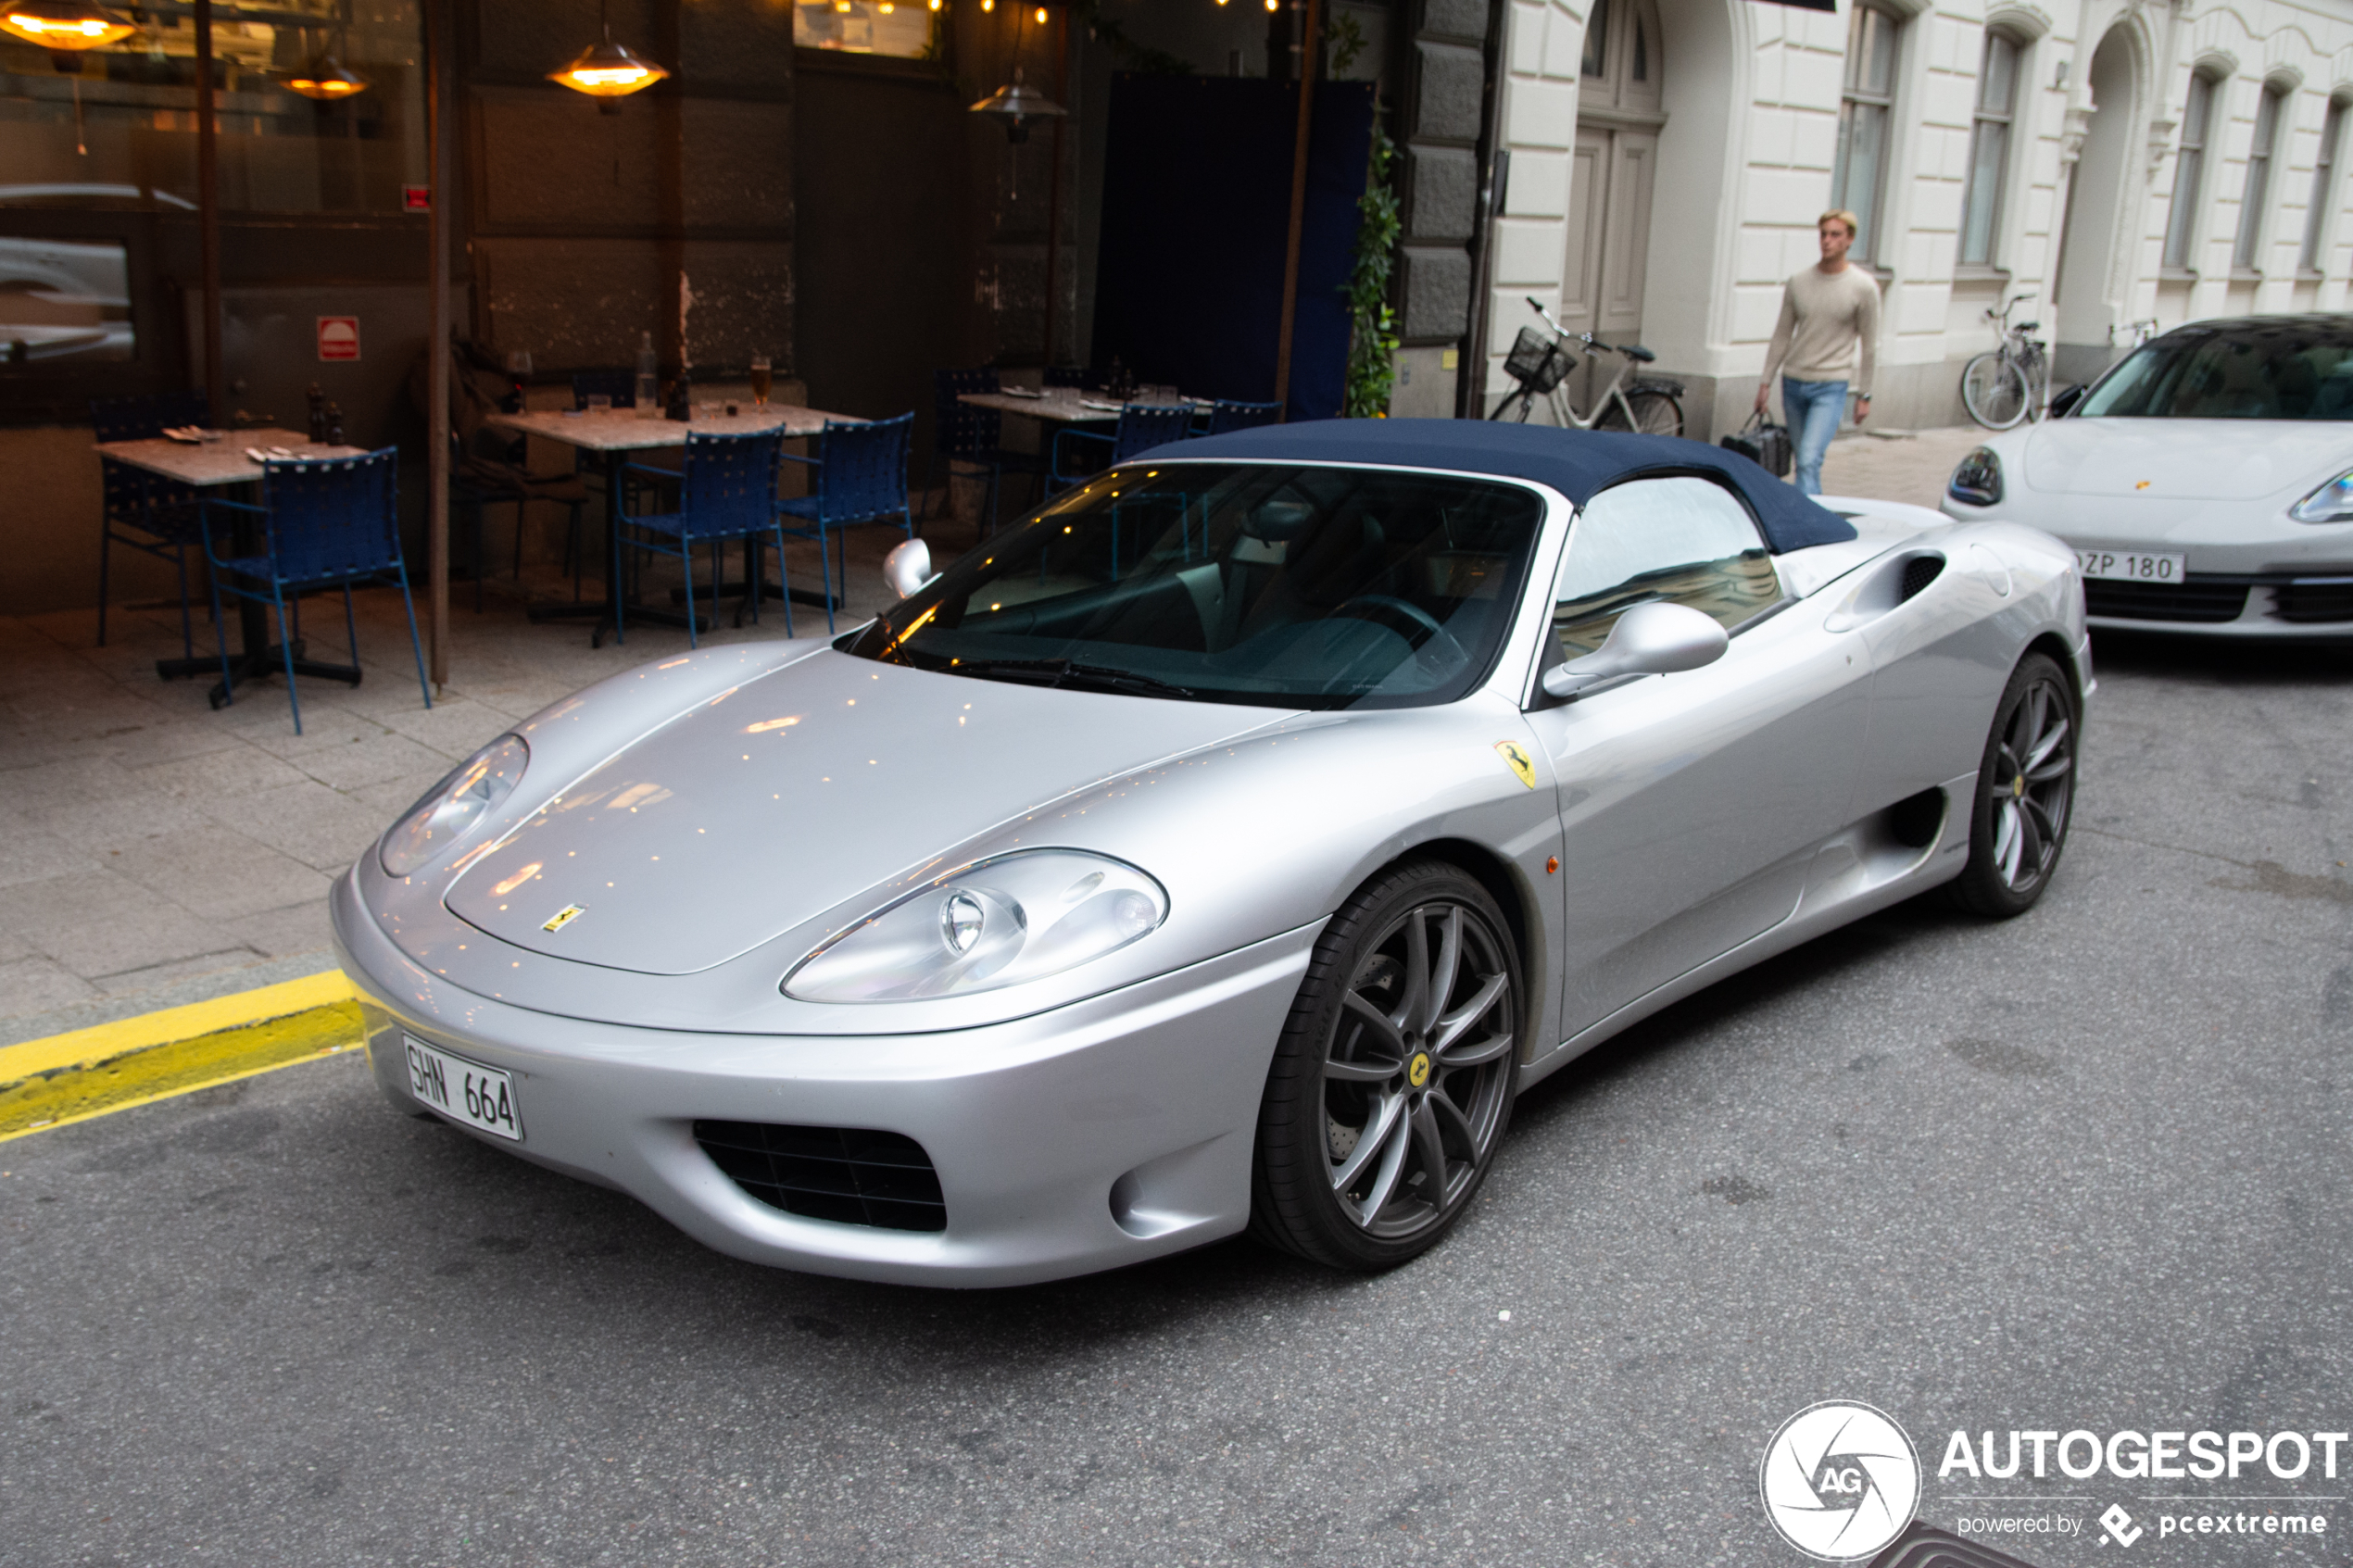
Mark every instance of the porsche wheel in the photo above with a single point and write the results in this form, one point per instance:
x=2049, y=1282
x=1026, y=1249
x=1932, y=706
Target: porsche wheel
x=1392, y=1082
x=2025, y=793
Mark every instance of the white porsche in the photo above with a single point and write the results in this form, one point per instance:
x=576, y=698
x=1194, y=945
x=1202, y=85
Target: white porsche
x=2204, y=482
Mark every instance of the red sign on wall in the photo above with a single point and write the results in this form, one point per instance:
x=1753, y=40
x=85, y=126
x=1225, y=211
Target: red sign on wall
x=416, y=198
x=338, y=338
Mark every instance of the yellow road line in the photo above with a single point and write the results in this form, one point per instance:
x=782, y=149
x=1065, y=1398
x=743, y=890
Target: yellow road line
x=73, y=1077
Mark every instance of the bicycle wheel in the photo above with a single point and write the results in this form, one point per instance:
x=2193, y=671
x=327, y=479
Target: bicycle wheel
x=1994, y=391
x=1655, y=413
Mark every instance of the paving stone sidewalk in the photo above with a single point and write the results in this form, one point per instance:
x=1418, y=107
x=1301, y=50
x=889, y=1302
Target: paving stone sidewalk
x=155, y=852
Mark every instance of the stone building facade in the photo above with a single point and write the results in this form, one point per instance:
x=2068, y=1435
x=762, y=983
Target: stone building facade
x=2121, y=162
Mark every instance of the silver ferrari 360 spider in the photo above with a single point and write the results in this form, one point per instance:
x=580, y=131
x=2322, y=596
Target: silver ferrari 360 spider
x=1221, y=849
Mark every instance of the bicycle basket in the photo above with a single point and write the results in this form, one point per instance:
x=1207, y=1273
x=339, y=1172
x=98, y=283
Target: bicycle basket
x=1536, y=362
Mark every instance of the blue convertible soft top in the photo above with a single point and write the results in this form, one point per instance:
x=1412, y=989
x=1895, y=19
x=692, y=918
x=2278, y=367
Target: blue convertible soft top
x=1580, y=464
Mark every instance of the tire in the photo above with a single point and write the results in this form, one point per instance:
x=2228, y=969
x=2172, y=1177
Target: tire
x=1655, y=413
x=1347, y=1140
x=2018, y=816
x=1993, y=390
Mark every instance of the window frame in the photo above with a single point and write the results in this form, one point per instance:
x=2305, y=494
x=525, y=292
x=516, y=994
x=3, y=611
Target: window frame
x=1973, y=198
x=2255, y=192
x=2317, y=209
x=2180, y=219
x=1883, y=101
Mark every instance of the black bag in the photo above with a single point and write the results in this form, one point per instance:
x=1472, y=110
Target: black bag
x=1764, y=444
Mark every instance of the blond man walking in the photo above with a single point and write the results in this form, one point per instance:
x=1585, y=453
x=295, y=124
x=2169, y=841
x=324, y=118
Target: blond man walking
x=1828, y=312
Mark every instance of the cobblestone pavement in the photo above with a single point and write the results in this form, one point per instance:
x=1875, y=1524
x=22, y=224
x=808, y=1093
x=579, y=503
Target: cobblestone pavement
x=157, y=852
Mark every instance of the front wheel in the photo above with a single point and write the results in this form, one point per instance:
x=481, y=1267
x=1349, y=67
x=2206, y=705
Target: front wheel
x=1993, y=390
x=1392, y=1082
x=2025, y=793
x=1655, y=413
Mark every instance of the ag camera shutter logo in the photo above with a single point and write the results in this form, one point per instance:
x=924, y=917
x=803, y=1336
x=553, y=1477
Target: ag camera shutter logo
x=1840, y=1481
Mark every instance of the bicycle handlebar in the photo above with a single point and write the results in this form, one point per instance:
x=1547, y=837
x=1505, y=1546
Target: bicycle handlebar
x=1587, y=339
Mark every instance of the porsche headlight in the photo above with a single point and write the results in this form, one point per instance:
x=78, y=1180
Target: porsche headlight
x=454, y=805
x=1000, y=922
x=1978, y=481
x=2332, y=502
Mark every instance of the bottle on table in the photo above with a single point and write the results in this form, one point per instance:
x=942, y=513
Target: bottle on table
x=682, y=398
x=334, y=422
x=317, y=415
x=648, y=380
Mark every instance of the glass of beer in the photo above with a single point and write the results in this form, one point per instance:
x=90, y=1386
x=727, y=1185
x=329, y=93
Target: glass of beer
x=759, y=380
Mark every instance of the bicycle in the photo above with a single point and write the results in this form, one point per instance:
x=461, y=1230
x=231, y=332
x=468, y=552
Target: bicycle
x=1650, y=405
x=2011, y=382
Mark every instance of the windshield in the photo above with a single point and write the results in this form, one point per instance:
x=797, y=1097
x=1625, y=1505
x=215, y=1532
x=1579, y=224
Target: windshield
x=1272, y=584
x=2286, y=371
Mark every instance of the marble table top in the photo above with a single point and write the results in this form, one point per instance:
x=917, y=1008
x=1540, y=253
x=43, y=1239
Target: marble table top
x=217, y=462
x=620, y=430
x=1062, y=405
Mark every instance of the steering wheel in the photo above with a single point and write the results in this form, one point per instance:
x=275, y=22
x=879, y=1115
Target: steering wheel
x=1435, y=651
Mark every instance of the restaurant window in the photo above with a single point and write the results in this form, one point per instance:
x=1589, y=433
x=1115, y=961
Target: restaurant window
x=2316, y=215
x=2258, y=180
x=865, y=27
x=116, y=126
x=2189, y=168
x=1989, y=149
x=1866, y=115
x=64, y=302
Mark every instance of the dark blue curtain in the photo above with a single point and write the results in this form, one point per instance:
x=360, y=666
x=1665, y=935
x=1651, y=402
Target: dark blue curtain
x=1188, y=287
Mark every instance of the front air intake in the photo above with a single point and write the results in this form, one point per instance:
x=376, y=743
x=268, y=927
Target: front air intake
x=852, y=1175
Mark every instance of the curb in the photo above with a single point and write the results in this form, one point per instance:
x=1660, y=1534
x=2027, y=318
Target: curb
x=88, y=1072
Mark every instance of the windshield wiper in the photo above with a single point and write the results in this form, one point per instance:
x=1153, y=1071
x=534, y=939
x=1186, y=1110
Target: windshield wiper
x=1069, y=673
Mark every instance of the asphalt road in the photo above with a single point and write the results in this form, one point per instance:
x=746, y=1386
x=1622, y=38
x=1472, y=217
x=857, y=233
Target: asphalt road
x=2085, y=1170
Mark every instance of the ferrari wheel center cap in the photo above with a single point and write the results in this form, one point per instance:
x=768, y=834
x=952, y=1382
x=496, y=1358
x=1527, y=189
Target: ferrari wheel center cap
x=2018, y=785
x=1417, y=1069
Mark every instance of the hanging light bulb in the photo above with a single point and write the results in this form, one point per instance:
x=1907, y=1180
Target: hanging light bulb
x=327, y=79
x=609, y=71
x=62, y=25
x=1041, y=16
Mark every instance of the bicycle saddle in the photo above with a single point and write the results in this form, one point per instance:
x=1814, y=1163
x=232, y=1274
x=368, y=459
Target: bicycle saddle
x=2027, y=326
x=1637, y=352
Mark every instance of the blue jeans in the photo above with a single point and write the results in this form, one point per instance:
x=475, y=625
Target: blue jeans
x=1813, y=409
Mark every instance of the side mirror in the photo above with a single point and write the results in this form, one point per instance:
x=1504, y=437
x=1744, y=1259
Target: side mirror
x=908, y=567
x=1657, y=638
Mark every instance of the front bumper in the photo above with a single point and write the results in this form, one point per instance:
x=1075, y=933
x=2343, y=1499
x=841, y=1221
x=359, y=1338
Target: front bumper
x=1096, y=1134
x=2273, y=605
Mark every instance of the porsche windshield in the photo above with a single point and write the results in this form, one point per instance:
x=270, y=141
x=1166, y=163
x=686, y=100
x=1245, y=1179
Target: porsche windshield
x=2283, y=370
x=1265, y=584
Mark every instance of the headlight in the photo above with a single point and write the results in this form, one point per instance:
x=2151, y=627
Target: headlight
x=2332, y=502
x=1001, y=922
x=454, y=805
x=1979, y=479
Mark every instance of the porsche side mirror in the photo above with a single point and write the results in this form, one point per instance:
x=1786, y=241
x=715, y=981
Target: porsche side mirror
x=1650, y=639
x=908, y=567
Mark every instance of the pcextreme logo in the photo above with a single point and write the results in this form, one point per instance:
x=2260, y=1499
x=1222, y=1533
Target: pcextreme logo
x=1840, y=1480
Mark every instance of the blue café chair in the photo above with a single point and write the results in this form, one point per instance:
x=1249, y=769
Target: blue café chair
x=143, y=510
x=324, y=523
x=1141, y=428
x=961, y=434
x=860, y=478
x=1225, y=415
x=726, y=489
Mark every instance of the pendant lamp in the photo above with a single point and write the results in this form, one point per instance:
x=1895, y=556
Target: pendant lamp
x=608, y=73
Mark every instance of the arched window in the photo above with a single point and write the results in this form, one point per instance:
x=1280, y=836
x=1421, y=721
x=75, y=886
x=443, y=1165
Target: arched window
x=1866, y=117
x=2189, y=169
x=2258, y=179
x=1989, y=153
x=2316, y=215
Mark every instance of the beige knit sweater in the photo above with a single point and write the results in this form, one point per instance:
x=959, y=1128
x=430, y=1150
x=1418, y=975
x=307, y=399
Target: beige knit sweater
x=1824, y=317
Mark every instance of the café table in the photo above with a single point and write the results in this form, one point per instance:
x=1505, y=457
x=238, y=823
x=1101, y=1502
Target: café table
x=1065, y=405
x=611, y=434
x=216, y=465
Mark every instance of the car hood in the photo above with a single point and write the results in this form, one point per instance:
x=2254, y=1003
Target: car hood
x=2183, y=459
x=793, y=793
